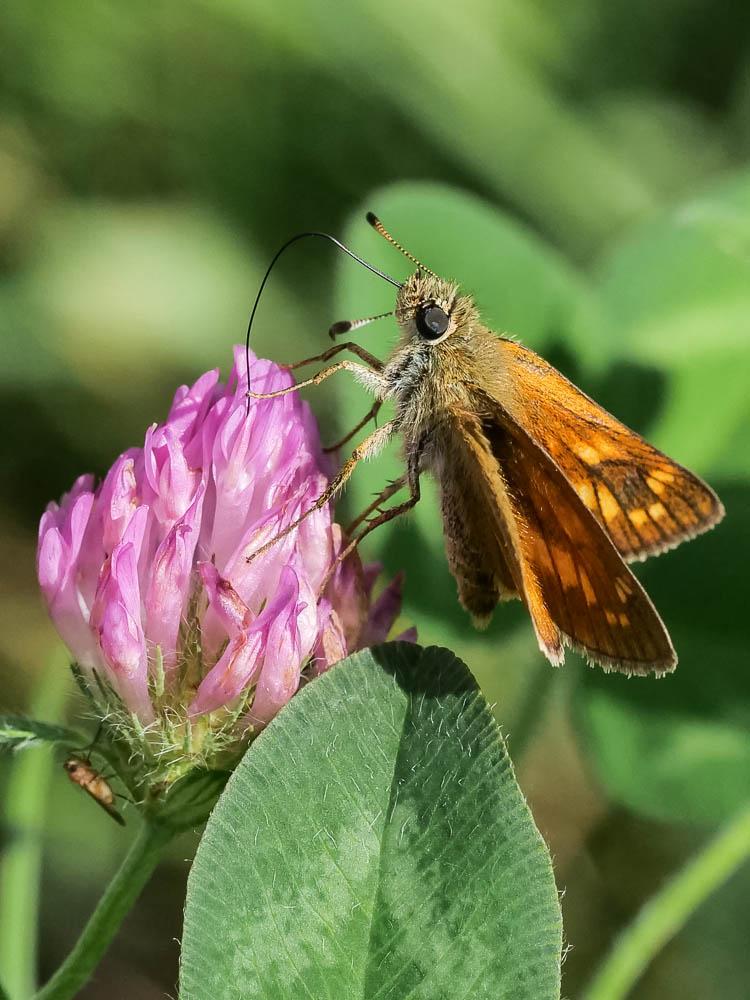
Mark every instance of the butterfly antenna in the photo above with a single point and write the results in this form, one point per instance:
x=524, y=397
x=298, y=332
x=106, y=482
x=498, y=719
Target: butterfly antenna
x=378, y=226
x=347, y=325
x=279, y=252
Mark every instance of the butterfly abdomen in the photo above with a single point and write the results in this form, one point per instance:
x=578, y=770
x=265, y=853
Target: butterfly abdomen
x=474, y=551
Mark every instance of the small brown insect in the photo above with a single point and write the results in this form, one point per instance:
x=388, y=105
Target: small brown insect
x=545, y=496
x=94, y=784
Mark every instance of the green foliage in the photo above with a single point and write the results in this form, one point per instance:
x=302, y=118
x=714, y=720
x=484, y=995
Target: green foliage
x=374, y=843
x=681, y=289
x=678, y=290
x=18, y=733
x=190, y=800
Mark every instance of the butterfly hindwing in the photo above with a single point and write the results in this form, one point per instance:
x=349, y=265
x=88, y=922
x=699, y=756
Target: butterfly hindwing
x=478, y=563
x=646, y=502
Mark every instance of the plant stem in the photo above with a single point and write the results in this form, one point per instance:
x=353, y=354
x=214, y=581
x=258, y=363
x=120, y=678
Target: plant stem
x=119, y=897
x=20, y=866
x=664, y=915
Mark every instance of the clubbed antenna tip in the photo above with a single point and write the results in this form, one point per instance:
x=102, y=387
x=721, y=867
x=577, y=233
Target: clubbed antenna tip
x=336, y=329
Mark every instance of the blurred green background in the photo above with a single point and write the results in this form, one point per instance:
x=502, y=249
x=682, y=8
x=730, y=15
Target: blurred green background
x=584, y=169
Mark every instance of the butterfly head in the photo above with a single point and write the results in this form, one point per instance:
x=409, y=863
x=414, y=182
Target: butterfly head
x=428, y=309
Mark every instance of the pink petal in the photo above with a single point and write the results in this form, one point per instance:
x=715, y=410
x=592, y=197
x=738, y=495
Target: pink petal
x=383, y=614
x=117, y=499
x=116, y=621
x=331, y=644
x=408, y=635
x=370, y=573
x=61, y=534
x=226, y=614
x=280, y=673
x=169, y=583
x=232, y=675
x=347, y=593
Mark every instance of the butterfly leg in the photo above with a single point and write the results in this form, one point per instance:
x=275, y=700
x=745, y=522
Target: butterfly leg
x=370, y=379
x=369, y=359
x=361, y=353
x=388, y=515
x=386, y=494
x=370, y=415
x=371, y=445
x=382, y=518
x=411, y=477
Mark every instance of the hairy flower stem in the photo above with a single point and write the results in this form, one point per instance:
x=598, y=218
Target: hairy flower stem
x=115, y=904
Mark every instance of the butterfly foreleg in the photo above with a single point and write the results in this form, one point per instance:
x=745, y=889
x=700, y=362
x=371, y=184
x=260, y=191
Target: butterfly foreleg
x=369, y=377
x=371, y=445
x=361, y=353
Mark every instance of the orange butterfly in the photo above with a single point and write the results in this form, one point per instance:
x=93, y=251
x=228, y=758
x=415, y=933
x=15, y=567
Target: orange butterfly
x=544, y=494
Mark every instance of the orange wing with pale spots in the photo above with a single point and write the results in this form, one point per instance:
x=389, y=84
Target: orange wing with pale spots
x=646, y=502
x=577, y=588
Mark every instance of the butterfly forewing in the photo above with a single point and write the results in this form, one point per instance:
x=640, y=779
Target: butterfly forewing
x=577, y=588
x=646, y=502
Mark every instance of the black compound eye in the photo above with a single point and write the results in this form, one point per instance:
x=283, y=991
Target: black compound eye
x=432, y=321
